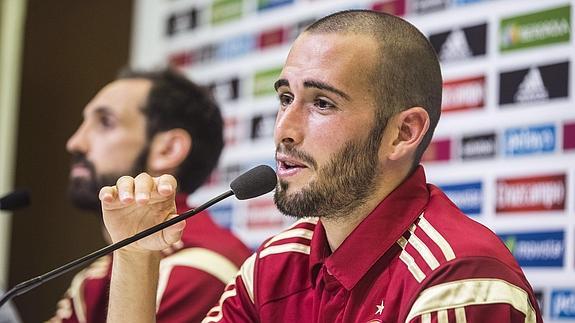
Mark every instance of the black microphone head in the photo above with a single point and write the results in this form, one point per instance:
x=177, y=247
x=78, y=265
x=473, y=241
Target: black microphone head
x=255, y=182
x=15, y=200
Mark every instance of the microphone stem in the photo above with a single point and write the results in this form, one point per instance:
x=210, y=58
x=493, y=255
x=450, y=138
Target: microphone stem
x=37, y=281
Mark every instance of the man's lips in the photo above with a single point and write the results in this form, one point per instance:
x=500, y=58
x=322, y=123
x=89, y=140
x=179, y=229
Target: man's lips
x=288, y=166
x=80, y=170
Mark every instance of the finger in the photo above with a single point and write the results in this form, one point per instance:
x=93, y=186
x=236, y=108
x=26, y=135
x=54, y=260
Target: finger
x=143, y=186
x=166, y=185
x=173, y=233
x=125, y=186
x=108, y=194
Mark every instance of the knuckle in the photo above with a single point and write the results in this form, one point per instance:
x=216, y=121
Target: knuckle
x=124, y=179
x=143, y=176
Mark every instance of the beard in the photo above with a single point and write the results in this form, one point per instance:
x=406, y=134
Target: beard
x=83, y=192
x=342, y=185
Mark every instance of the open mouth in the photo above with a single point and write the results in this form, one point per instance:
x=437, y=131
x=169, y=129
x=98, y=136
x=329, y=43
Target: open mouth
x=287, y=166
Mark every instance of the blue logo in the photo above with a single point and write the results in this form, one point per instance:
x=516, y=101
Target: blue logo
x=267, y=4
x=222, y=214
x=537, y=249
x=235, y=47
x=467, y=196
x=464, y=2
x=530, y=140
x=563, y=304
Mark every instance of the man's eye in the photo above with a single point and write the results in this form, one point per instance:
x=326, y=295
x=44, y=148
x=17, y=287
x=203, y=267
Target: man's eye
x=323, y=104
x=285, y=99
x=106, y=122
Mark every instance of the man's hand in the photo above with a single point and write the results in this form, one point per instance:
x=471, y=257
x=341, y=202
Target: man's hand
x=136, y=204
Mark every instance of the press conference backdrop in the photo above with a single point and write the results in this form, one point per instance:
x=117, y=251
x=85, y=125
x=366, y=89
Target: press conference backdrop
x=504, y=150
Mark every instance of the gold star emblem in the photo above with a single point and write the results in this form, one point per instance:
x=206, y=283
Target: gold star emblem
x=379, y=308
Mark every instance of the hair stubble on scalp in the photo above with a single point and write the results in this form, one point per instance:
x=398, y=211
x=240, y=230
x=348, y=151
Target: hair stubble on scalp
x=407, y=73
x=173, y=102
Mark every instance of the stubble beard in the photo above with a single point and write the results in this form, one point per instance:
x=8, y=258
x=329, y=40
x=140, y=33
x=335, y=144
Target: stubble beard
x=342, y=185
x=83, y=192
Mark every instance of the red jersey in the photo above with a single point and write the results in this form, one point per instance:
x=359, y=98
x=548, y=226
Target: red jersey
x=415, y=258
x=193, y=275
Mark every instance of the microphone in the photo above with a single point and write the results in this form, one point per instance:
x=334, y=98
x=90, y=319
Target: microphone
x=255, y=182
x=15, y=200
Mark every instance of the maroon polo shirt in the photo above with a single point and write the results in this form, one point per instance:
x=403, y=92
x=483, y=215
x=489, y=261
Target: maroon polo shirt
x=414, y=258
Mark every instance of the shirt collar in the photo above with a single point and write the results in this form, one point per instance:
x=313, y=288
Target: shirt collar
x=373, y=237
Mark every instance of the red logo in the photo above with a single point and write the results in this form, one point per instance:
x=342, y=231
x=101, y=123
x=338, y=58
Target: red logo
x=538, y=193
x=438, y=150
x=394, y=7
x=463, y=94
x=272, y=37
x=569, y=136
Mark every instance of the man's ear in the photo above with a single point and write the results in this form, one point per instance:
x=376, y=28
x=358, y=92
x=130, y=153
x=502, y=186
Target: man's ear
x=412, y=125
x=168, y=150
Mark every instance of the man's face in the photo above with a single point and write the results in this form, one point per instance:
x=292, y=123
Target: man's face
x=110, y=142
x=327, y=148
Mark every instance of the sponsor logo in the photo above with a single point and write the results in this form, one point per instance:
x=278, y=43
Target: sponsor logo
x=478, y=146
x=534, y=84
x=226, y=10
x=267, y=4
x=464, y=2
x=537, y=249
x=530, y=140
x=467, y=196
x=426, y=6
x=182, y=59
x=273, y=37
x=460, y=44
x=262, y=126
x=204, y=54
x=229, y=173
x=182, y=21
x=563, y=304
x=536, y=29
x=235, y=47
x=227, y=90
x=394, y=7
x=222, y=214
x=569, y=136
x=263, y=215
x=264, y=80
x=539, y=193
x=438, y=150
x=463, y=94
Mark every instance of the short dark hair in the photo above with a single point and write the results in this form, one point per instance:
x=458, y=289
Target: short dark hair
x=174, y=101
x=407, y=73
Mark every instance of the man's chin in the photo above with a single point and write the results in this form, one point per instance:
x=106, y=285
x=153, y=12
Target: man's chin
x=84, y=198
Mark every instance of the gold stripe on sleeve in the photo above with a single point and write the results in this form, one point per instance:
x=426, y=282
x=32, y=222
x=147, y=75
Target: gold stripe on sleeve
x=480, y=291
x=283, y=248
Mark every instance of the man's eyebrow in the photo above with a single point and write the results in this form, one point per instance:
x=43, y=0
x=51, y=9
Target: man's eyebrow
x=281, y=82
x=314, y=84
x=324, y=86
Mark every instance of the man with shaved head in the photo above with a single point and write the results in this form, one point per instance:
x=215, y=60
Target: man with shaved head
x=360, y=97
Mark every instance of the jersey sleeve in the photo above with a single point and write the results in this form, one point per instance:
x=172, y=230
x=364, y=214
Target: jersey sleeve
x=190, y=283
x=477, y=289
x=237, y=303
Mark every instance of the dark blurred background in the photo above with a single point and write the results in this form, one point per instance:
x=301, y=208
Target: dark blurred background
x=70, y=49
